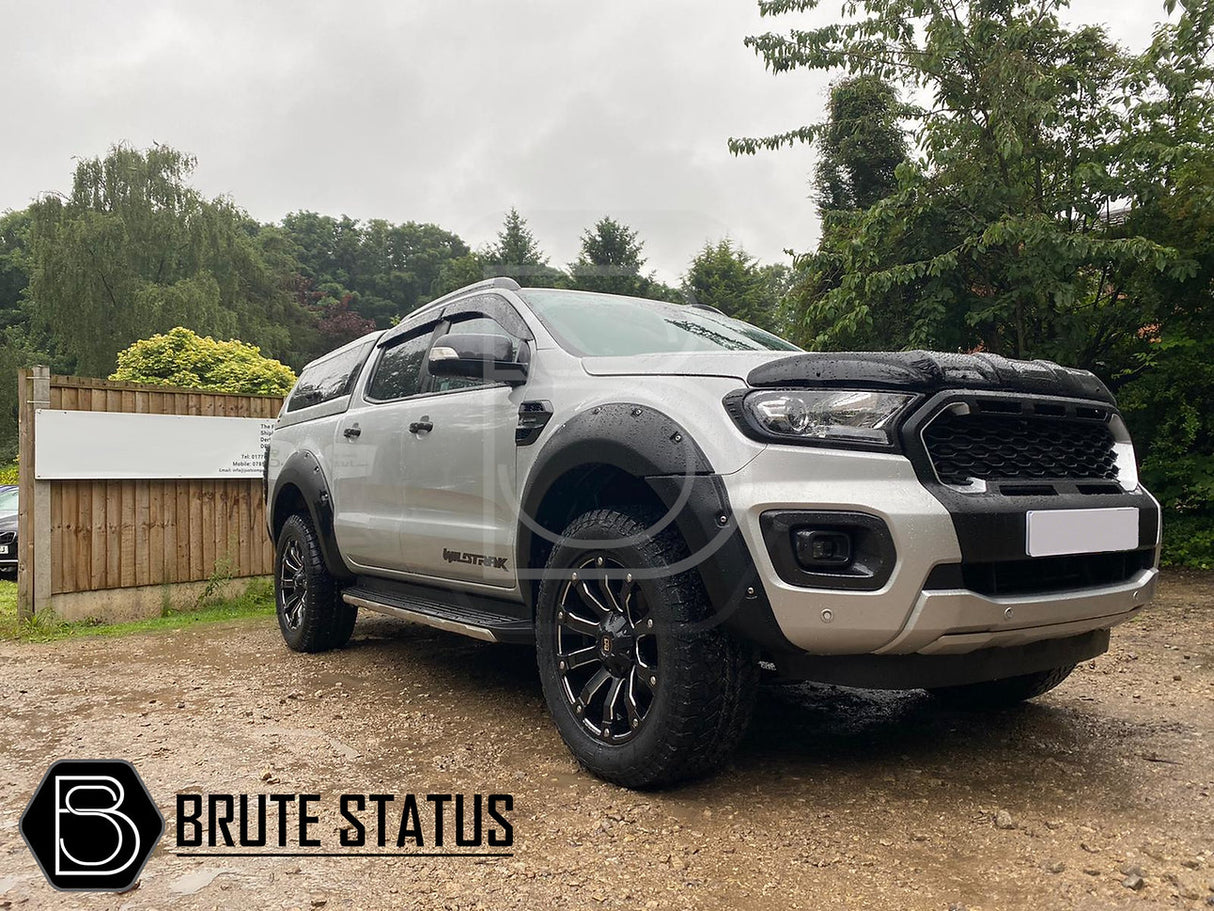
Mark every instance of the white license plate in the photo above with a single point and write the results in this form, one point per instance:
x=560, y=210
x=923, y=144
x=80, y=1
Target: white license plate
x=3, y=549
x=1055, y=532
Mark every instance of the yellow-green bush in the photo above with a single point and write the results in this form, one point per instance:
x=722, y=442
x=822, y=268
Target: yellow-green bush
x=181, y=357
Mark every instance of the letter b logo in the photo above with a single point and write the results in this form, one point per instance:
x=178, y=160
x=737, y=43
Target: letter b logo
x=91, y=825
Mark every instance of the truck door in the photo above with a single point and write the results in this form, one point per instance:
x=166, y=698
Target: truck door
x=460, y=488
x=369, y=452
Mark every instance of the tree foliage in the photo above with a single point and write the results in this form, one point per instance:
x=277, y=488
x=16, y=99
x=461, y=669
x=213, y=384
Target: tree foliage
x=610, y=261
x=181, y=357
x=517, y=255
x=134, y=248
x=861, y=146
x=375, y=270
x=725, y=276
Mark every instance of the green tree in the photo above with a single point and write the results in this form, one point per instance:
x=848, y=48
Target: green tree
x=996, y=234
x=14, y=266
x=133, y=247
x=517, y=255
x=610, y=261
x=725, y=276
x=860, y=149
x=180, y=357
x=458, y=273
x=1167, y=391
x=861, y=145
x=516, y=244
x=376, y=269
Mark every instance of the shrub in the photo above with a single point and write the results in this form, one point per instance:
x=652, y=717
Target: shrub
x=180, y=357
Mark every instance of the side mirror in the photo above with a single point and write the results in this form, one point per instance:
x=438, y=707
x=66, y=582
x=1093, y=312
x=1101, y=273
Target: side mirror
x=477, y=356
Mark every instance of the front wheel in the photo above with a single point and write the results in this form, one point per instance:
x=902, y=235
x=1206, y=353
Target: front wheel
x=311, y=613
x=999, y=694
x=644, y=690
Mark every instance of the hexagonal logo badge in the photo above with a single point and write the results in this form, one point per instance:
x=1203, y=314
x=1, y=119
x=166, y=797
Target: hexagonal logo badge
x=92, y=825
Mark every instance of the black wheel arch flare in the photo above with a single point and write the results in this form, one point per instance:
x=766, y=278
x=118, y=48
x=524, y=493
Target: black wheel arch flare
x=653, y=448
x=303, y=472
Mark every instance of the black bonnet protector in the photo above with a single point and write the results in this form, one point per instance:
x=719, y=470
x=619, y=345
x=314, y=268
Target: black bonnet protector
x=928, y=371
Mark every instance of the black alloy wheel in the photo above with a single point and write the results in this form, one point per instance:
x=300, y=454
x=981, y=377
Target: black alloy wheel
x=606, y=649
x=292, y=584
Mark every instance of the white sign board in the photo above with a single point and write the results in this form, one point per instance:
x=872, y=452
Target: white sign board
x=109, y=444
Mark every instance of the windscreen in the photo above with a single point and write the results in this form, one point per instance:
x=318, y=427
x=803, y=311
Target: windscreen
x=590, y=325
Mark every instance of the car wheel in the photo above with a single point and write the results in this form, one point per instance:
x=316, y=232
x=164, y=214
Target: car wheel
x=643, y=693
x=999, y=694
x=311, y=614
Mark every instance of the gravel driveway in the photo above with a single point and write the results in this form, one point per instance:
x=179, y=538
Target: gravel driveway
x=1096, y=796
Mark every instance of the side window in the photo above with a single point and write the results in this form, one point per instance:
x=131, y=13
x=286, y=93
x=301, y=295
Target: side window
x=398, y=372
x=328, y=379
x=473, y=325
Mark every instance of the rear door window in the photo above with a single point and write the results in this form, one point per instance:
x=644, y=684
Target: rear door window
x=328, y=379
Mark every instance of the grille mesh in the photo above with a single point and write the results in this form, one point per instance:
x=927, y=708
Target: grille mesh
x=990, y=447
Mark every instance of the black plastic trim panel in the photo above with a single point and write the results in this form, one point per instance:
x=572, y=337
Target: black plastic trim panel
x=303, y=470
x=873, y=553
x=1041, y=575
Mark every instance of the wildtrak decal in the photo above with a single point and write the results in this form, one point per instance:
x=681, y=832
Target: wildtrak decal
x=455, y=556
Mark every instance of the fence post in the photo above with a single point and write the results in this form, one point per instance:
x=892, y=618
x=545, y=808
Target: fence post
x=33, y=499
x=40, y=397
x=25, y=498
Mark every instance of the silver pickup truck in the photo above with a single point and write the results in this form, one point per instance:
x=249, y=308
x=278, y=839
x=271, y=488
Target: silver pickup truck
x=667, y=502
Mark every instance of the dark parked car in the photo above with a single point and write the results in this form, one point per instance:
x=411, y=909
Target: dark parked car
x=8, y=530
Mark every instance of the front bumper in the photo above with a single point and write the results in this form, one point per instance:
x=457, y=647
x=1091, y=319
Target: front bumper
x=960, y=621
x=903, y=616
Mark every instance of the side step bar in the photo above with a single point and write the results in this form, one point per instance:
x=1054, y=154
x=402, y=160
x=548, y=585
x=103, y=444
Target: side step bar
x=467, y=619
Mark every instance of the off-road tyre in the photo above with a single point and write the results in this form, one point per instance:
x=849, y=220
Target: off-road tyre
x=701, y=705
x=314, y=619
x=1001, y=694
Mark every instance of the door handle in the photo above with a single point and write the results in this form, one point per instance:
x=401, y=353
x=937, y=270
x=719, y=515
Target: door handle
x=422, y=426
x=351, y=433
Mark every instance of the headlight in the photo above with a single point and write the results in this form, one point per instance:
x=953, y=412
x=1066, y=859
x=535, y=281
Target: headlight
x=827, y=415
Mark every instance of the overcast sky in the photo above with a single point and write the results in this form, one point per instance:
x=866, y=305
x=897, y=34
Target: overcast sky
x=447, y=111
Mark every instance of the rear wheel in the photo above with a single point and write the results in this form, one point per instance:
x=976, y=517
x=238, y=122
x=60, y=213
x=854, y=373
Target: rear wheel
x=311, y=613
x=998, y=694
x=642, y=692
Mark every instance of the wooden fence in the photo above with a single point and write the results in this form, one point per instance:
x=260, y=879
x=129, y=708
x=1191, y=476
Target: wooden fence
x=81, y=536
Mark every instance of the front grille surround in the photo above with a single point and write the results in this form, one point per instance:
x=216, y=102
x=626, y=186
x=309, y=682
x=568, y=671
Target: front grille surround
x=985, y=442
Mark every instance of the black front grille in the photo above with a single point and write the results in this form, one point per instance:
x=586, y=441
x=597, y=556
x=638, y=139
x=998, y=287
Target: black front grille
x=1042, y=574
x=993, y=447
x=7, y=537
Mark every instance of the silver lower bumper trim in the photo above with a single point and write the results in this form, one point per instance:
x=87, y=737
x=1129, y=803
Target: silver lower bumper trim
x=957, y=621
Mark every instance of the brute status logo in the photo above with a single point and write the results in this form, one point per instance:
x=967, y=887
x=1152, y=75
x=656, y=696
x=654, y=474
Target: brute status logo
x=91, y=825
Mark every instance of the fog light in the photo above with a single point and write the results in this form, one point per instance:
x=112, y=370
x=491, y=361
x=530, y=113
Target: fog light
x=820, y=549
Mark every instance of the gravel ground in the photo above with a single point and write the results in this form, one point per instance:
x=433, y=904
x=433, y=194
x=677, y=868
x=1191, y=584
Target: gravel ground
x=837, y=798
